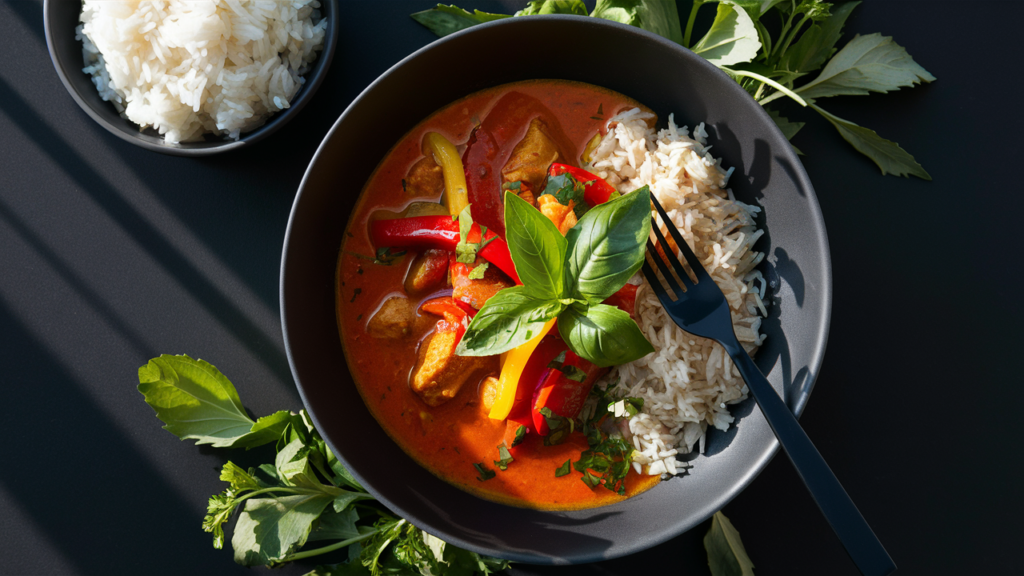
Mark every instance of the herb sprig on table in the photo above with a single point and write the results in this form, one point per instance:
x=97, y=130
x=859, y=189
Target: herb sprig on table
x=305, y=495
x=770, y=47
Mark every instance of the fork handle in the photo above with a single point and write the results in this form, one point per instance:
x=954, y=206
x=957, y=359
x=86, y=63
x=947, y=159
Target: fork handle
x=833, y=501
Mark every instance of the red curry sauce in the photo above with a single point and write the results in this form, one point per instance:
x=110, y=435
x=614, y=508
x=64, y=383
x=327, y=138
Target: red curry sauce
x=450, y=438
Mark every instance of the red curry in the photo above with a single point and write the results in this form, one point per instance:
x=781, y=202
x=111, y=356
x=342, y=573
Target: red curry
x=389, y=314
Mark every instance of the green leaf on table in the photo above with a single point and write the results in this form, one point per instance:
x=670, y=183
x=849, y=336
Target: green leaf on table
x=344, y=569
x=342, y=475
x=444, y=20
x=817, y=44
x=194, y=400
x=603, y=334
x=536, y=246
x=756, y=8
x=889, y=157
x=789, y=129
x=658, y=16
x=731, y=39
x=872, y=63
x=266, y=430
x=508, y=319
x=607, y=246
x=726, y=555
x=541, y=7
x=269, y=529
x=335, y=526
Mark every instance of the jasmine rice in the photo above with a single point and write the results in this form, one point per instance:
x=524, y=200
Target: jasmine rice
x=688, y=382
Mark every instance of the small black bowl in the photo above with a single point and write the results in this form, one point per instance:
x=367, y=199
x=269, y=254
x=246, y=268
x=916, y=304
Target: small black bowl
x=662, y=75
x=61, y=17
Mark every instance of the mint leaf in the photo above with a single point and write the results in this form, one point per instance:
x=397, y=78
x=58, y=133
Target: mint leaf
x=603, y=334
x=607, y=246
x=726, y=555
x=536, y=246
x=888, y=155
x=444, y=20
x=507, y=320
x=194, y=400
x=872, y=63
x=541, y=7
x=731, y=39
x=271, y=528
x=658, y=16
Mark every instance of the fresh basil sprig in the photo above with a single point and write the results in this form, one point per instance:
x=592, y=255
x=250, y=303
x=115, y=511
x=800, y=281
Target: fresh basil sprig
x=304, y=495
x=741, y=44
x=567, y=277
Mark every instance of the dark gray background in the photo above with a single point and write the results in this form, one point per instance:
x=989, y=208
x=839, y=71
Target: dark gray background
x=110, y=255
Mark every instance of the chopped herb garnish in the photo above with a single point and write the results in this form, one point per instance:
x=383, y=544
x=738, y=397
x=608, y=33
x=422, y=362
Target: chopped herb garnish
x=506, y=457
x=404, y=189
x=571, y=372
x=600, y=109
x=485, y=473
x=355, y=293
x=563, y=469
x=627, y=407
x=564, y=187
x=478, y=272
x=559, y=427
x=520, y=436
x=590, y=479
x=386, y=257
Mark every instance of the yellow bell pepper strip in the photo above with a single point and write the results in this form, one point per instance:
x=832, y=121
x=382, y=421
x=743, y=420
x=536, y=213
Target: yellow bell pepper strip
x=447, y=157
x=511, y=370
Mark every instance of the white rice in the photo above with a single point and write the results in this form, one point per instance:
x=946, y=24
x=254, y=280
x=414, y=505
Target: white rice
x=186, y=68
x=688, y=382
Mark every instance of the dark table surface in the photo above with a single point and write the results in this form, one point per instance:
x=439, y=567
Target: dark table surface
x=110, y=255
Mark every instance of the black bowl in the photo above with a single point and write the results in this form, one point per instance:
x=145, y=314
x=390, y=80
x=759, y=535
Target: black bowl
x=61, y=17
x=666, y=77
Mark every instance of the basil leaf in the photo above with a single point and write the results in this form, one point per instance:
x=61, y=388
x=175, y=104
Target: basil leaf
x=817, y=43
x=195, y=401
x=541, y=7
x=658, y=16
x=604, y=335
x=888, y=155
x=444, y=20
x=537, y=248
x=607, y=246
x=789, y=129
x=872, y=63
x=484, y=473
x=508, y=319
x=271, y=528
x=336, y=526
x=563, y=469
x=505, y=457
x=731, y=39
x=520, y=436
x=478, y=272
x=726, y=555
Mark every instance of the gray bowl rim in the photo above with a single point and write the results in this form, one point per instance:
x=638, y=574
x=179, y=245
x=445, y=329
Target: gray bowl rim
x=797, y=403
x=314, y=77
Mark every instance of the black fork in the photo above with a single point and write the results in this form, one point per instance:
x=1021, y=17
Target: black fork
x=701, y=309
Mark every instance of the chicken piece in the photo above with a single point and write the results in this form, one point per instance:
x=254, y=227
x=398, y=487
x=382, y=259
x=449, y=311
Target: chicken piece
x=396, y=319
x=562, y=216
x=429, y=271
x=476, y=291
x=425, y=179
x=440, y=373
x=532, y=156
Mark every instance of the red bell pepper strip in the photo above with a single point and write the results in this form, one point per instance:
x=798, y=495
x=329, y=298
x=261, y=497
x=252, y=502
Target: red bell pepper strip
x=562, y=395
x=595, y=190
x=545, y=352
x=456, y=319
x=440, y=232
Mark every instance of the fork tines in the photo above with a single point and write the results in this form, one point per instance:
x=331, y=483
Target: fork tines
x=698, y=271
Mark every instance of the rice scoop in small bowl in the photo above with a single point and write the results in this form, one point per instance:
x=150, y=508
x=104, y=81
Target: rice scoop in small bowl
x=658, y=74
x=191, y=78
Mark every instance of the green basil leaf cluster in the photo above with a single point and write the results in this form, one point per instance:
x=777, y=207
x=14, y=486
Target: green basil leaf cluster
x=568, y=278
x=304, y=495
